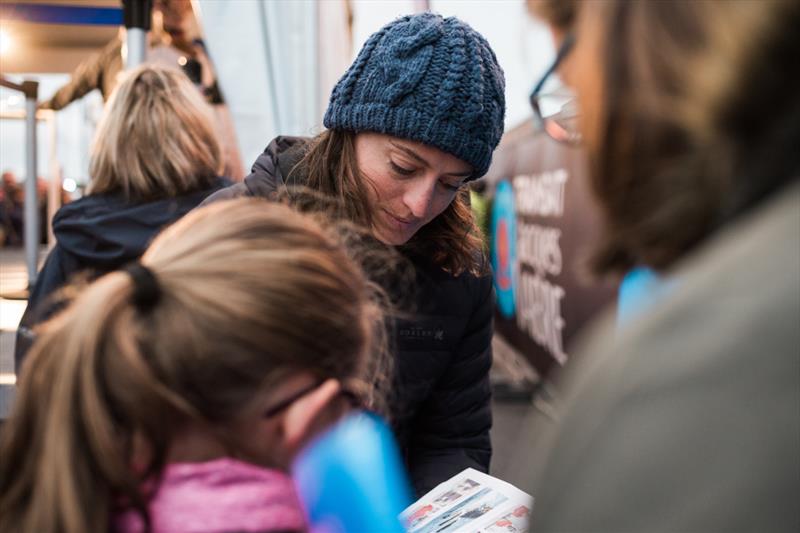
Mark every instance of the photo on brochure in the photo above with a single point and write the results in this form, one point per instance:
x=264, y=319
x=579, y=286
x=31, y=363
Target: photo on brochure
x=421, y=513
x=514, y=522
x=470, y=502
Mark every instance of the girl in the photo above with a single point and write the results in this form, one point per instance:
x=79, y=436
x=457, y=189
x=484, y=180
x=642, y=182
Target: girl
x=174, y=393
x=155, y=157
x=414, y=119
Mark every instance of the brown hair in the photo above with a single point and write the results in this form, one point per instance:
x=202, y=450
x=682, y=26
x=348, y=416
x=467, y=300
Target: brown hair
x=452, y=240
x=679, y=118
x=156, y=138
x=242, y=302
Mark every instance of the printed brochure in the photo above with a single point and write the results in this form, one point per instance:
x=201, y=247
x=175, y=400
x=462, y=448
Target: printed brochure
x=471, y=502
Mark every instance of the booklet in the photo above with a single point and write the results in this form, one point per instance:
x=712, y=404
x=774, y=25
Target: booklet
x=471, y=502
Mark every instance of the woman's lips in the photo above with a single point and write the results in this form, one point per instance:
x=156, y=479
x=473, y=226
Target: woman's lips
x=397, y=218
x=395, y=230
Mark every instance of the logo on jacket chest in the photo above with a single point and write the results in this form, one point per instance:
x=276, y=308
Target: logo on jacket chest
x=428, y=333
x=435, y=333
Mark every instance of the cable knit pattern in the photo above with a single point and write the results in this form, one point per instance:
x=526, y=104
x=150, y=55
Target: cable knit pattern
x=429, y=79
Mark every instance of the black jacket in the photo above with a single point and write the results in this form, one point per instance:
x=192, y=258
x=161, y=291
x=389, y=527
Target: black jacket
x=97, y=234
x=441, y=411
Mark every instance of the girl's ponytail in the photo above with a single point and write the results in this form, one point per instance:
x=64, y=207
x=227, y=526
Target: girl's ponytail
x=87, y=382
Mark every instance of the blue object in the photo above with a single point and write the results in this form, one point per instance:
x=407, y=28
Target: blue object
x=352, y=478
x=504, y=248
x=62, y=14
x=429, y=79
x=640, y=289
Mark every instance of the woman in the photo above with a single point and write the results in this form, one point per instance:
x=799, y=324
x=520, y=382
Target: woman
x=155, y=157
x=688, y=420
x=176, y=392
x=415, y=118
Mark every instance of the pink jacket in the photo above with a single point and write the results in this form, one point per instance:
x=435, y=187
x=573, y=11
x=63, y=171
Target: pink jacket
x=220, y=496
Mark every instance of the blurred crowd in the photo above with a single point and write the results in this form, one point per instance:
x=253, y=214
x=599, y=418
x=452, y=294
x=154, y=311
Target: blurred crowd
x=12, y=198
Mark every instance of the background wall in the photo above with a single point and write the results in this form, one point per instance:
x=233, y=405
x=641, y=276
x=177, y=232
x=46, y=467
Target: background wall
x=278, y=61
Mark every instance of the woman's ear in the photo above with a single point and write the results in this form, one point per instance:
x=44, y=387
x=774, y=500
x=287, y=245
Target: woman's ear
x=300, y=416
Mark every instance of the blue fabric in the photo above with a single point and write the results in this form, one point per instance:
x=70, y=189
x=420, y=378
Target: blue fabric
x=352, y=478
x=61, y=14
x=504, y=248
x=640, y=289
x=429, y=79
x=106, y=231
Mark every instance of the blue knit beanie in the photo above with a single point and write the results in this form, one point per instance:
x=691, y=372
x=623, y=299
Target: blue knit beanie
x=428, y=79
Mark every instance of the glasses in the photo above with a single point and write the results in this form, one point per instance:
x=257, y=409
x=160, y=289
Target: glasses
x=351, y=397
x=555, y=108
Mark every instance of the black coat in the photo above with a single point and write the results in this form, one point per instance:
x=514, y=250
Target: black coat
x=97, y=234
x=441, y=411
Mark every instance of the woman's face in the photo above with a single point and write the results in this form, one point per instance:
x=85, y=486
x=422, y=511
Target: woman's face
x=413, y=183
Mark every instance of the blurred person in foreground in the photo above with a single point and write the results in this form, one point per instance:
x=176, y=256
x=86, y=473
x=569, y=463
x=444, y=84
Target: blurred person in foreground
x=155, y=157
x=640, y=285
x=173, y=395
x=689, y=419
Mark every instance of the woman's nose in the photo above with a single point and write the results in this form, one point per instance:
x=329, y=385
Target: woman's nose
x=418, y=197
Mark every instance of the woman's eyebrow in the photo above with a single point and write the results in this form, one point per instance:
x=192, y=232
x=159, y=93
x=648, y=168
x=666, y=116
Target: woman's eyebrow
x=411, y=153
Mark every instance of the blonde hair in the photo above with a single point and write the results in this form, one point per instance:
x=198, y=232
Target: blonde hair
x=156, y=138
x=249, y=291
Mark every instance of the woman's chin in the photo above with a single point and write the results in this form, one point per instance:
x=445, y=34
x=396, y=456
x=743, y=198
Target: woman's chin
x=391, y=238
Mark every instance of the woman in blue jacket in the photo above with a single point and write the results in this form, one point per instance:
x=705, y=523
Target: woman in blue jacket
x=155, y=157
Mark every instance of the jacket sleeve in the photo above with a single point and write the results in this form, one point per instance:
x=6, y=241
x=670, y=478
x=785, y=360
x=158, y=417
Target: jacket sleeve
x=451, y=431
x=236, y=190
x=262, y=180
x=41, y=304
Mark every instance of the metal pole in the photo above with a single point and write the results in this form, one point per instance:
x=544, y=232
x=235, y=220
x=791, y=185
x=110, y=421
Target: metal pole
x=137, y=24
x=136, y=47
x=31, y=208
x=273, y=86
x=313, y=47
x=421, y=6
x=54, y=190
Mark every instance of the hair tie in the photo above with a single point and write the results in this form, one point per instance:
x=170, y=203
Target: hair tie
x=146, y=291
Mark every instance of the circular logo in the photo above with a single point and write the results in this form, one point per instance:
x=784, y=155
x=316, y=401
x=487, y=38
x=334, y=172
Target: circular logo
x=504, y=247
